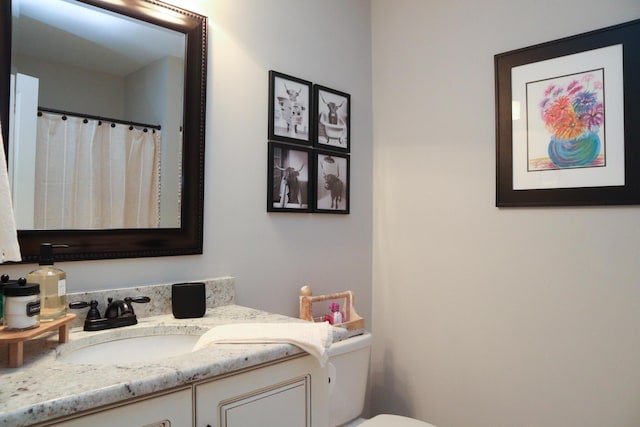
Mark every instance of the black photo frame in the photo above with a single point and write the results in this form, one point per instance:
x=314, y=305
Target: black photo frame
x=332, y=177
x=289, y=179
x=332, y=119
x=551, y=97
x=289, y=109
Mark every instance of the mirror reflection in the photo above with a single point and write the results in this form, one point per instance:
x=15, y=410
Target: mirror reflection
x=96, y=118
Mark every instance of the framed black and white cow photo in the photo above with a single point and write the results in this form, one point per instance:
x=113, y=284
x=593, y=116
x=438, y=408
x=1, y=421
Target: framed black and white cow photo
x=332, y=182
x=289, y=109
x=289, y=180
x=332, y=119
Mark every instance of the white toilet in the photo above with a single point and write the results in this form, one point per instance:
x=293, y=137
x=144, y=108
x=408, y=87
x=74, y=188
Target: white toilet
x=348, y=373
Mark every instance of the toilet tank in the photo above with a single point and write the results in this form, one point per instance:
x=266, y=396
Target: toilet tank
x=348, y=374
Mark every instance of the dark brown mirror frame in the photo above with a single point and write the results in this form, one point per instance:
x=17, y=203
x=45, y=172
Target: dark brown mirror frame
x=134, y=243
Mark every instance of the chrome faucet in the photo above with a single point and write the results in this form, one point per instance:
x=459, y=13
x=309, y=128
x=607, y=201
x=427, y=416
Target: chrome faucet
x=119, y=313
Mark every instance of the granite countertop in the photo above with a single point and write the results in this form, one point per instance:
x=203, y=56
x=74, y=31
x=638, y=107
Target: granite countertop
x=45, y=387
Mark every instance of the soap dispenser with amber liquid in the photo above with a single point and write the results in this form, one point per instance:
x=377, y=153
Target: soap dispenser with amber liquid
x=53, y=284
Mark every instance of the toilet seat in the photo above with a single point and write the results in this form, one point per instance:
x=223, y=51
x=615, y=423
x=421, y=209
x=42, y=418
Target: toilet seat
x=386, y=420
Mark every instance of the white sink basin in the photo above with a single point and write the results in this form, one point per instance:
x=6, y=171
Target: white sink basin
x=126, y=350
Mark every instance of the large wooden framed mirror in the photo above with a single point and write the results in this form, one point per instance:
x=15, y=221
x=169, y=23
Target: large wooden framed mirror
x=154, y=58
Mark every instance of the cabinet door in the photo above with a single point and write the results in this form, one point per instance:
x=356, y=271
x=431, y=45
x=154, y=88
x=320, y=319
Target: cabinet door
x=287, y=394
x=168, y=410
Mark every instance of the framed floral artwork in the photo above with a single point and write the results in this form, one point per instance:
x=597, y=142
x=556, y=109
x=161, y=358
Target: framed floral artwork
x=565, y=133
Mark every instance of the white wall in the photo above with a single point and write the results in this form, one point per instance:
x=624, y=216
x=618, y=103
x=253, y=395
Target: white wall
x=488, y=317
x=271, y=254
x=145, y=104
x=61, y=83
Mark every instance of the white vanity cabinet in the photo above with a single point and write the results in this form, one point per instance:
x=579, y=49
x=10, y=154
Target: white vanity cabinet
x=167, y=410
x=287, y=394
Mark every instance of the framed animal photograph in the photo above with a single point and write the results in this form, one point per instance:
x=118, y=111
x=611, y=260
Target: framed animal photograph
x=289, y=109
x=289, y=184
x=332, y=123
x=332, y=182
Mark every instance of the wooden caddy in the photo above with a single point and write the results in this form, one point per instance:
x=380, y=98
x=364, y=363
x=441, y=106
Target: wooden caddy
x=16, y=339
x=353, y=322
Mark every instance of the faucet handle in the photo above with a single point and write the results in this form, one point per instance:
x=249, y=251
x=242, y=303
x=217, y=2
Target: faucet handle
x=140, y=299
x=78, y=304
x=93, y=312
x=128, y=307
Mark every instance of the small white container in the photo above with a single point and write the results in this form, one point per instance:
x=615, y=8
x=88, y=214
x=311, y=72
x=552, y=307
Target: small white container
x=21, y=303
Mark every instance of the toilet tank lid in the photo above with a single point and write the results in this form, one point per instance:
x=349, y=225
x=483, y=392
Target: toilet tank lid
x=350, y=344
x=395, y=421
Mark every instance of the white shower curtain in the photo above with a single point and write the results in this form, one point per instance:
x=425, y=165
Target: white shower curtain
x=91, y=175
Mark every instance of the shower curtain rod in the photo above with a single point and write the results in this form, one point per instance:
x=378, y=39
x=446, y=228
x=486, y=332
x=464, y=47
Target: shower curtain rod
x=105, y=119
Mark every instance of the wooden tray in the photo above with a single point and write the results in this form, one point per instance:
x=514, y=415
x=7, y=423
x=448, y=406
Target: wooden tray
x=16, y=339
x=352, y=323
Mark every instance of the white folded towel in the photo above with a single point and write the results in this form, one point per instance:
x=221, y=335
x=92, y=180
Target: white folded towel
x=314, y=338
x=9, y=248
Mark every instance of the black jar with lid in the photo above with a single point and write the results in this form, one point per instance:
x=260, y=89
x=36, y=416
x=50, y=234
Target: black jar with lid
x=21, y=304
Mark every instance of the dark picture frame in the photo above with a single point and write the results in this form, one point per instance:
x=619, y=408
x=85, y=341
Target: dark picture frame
x=289, y=178
x=289, y=109
x=559, y=140
x=332, y=119
x=333, y=182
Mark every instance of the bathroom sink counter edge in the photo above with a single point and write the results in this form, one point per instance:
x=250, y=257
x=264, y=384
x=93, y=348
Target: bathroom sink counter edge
x=46, y=387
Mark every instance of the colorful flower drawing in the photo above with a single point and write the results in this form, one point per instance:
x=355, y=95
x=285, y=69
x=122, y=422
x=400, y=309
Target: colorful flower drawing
x=573, y=114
